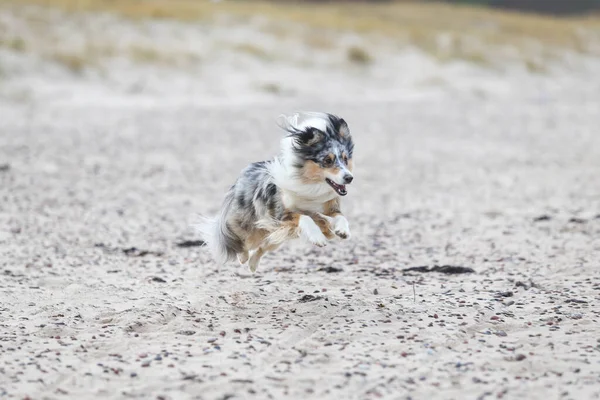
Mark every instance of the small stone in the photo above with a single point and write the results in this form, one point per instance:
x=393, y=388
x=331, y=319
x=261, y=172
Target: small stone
x=542, y=218
x=521, y=357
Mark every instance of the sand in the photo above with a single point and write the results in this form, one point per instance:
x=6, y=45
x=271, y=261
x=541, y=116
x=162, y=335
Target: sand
x=489, y=171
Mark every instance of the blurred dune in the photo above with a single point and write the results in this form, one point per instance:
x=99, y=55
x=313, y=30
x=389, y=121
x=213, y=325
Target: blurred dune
x=377, y=49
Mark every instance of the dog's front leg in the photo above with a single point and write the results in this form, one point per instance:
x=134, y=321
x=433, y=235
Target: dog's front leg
x=310, y=231
x=296, y=224
x=341, y=227
x=338, y=222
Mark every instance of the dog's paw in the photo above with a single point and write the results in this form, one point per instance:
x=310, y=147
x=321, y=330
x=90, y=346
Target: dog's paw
x=243, y=257
x=253, y=264
x=340, y=227
x=319, y=241
x=311, y=232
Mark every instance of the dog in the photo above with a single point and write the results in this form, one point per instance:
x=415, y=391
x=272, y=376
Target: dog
x=295, y=195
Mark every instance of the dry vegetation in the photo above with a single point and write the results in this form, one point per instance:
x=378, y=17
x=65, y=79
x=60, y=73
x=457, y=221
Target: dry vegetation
x=358, y=55
x=13, y=43
x=253, y=50
x=445, y=31
x=420, y=21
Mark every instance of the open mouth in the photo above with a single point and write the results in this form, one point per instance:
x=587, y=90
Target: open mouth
x=339, y=189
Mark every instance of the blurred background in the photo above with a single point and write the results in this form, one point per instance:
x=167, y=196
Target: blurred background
x=219, y=52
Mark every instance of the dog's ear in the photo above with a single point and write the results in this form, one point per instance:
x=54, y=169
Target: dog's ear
x=343, y=130
x=311, y=136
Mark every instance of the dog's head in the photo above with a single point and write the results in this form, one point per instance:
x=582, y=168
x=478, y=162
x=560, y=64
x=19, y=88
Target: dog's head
x=321, y=148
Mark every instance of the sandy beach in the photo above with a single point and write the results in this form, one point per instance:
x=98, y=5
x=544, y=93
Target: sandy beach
x=105, y=292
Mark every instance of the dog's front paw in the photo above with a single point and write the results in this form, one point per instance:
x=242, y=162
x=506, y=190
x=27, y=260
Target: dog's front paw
x=340, y=227
x=311, y=232
x=319, y=240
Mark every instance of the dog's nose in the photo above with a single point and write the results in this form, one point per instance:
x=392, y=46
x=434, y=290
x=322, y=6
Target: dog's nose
x=348, y=179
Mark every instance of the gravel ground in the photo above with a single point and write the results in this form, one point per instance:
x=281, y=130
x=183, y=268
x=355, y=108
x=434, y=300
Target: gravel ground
x=99, y=300
x=104, y=296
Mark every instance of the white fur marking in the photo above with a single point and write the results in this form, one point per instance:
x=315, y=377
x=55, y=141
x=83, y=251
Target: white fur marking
x=310, y=231
x=341, y=228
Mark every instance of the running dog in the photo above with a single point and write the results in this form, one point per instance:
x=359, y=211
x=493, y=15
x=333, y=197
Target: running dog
x=295, y=195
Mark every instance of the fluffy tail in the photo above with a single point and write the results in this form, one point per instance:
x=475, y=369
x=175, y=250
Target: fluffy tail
x=223, y=244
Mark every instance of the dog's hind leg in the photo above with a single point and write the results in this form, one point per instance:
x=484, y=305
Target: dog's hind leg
x=258, y=253
x=243, y=257
x=255, y=259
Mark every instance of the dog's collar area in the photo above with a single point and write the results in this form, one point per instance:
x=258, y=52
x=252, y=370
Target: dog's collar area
x=339, y=189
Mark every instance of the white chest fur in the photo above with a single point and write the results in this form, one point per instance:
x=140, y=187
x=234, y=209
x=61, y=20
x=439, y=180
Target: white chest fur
x=295, y=201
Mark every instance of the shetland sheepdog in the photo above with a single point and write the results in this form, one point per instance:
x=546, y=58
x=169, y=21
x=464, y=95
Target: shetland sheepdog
x=295, y=195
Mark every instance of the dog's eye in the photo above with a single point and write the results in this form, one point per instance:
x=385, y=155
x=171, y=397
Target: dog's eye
x=328, y=161
x=345, y=159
